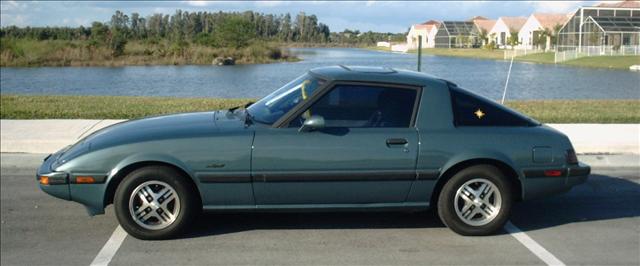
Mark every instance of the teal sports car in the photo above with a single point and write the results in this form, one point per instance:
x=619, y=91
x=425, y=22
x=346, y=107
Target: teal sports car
x=336, y=138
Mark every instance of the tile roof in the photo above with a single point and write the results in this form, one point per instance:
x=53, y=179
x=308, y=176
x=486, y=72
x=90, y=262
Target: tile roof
x=423, y=27
x=485, y=24
x=550, y=20
x=621, y=4
x=478, y=18
x=514, y=23
x=431, y=22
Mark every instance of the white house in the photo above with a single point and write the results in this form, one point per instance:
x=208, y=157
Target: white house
x=485, y=25
x=428, y=32
x=501, y=31
x=538, y=23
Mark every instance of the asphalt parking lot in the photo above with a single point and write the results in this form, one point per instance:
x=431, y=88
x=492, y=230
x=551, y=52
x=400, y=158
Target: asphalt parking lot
x=597, y=223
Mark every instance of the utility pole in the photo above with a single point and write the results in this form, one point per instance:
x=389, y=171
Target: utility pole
x=419, y=52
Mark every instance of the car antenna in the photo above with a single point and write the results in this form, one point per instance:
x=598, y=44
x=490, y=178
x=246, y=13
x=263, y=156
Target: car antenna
x=504, y=93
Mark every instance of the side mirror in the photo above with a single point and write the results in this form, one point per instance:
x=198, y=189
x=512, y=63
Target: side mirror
x=314, y=122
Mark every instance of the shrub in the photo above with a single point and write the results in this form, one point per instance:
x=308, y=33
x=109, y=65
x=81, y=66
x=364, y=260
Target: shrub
x=117, y=43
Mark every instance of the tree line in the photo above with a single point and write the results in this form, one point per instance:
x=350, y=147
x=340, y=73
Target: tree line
x=217, y=29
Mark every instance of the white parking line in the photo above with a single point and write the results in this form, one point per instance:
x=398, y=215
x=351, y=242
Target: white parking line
x=110, y=248
x=532, y=245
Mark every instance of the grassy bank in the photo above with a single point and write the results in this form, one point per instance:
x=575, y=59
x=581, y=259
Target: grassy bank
x=32, y=53
x=120, y=107
x=617, y=62
x=613, y=62
x=104, y=107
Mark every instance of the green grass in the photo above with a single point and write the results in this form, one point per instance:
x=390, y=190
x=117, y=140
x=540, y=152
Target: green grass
x=612, y=62
x=122, y=107
x=580, y=111
x=104, y=107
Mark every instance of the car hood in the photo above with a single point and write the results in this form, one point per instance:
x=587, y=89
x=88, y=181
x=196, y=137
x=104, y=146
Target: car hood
x=185, y=125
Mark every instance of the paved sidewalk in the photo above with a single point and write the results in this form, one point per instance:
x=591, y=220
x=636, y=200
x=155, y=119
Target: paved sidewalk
x=47, y=136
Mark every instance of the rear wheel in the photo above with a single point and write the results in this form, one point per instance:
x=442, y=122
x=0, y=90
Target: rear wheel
x=155, y=202
x=475, y=201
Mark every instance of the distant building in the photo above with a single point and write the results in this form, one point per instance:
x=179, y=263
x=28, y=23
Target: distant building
x=532, y=34
x=457, y=34
x=503, y=28
x=604, y=29
x=383, y=44
x=400, y=47
x=428, y=32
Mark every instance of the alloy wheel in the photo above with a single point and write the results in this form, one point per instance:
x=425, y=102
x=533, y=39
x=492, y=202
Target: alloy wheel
x=477, y=202
x=154, y=205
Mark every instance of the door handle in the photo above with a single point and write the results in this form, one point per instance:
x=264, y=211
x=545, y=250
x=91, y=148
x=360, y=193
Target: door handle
x=396, y=142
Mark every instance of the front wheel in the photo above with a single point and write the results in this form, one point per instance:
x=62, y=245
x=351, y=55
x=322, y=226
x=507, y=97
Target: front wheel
x=155, y=202
x=475, y=201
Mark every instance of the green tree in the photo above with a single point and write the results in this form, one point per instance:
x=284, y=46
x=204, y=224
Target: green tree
x=99, y=32
x=234, y=32
x=513, y=39
x=483, y=35
x=117, y=42
x=120, y=22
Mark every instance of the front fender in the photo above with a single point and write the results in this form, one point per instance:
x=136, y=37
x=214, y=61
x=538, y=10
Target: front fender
x=116, y=174
x=149, y=157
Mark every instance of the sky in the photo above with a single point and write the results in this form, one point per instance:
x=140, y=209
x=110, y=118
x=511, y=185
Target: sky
x=380, y=16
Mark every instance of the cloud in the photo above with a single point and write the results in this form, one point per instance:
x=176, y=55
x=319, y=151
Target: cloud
x=556, y=6
x=15, y=20
x=269, y=3
x=9, y=5
x=372, y=15
x=199, y=3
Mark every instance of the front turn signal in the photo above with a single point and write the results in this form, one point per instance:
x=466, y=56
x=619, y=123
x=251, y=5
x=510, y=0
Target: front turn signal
x=44, y=180
x=85, y=180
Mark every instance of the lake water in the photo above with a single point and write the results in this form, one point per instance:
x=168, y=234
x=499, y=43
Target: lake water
x=487, y=77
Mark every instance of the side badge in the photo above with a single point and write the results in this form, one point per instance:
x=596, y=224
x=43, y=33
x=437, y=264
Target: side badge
x=215, y=165
x=479, y=113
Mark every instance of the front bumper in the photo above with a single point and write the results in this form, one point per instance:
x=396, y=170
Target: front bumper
x=65, y=186
x=537, y=183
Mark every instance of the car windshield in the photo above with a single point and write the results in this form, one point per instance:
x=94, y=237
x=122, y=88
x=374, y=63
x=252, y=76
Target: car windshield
x=270, y=108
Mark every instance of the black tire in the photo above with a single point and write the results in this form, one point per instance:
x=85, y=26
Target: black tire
x=446, y=201
x=189, y=202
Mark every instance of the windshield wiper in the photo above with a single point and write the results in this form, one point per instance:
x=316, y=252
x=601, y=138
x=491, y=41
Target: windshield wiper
x=240, y=106
x=248, y=118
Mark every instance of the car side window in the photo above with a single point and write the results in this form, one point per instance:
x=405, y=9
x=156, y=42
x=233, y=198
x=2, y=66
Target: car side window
x=472, y=110
x=363, y=106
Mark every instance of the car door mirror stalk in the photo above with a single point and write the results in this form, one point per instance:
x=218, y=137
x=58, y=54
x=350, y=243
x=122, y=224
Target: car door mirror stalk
x=314, y=122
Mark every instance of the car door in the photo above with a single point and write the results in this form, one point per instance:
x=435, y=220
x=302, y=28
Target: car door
x=365, y=154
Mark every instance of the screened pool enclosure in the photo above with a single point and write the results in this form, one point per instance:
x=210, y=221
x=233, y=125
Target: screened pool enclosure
x=595, y=31
x=457, y=34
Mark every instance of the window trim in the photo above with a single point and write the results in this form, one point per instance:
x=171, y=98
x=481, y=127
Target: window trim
x=284, y=121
